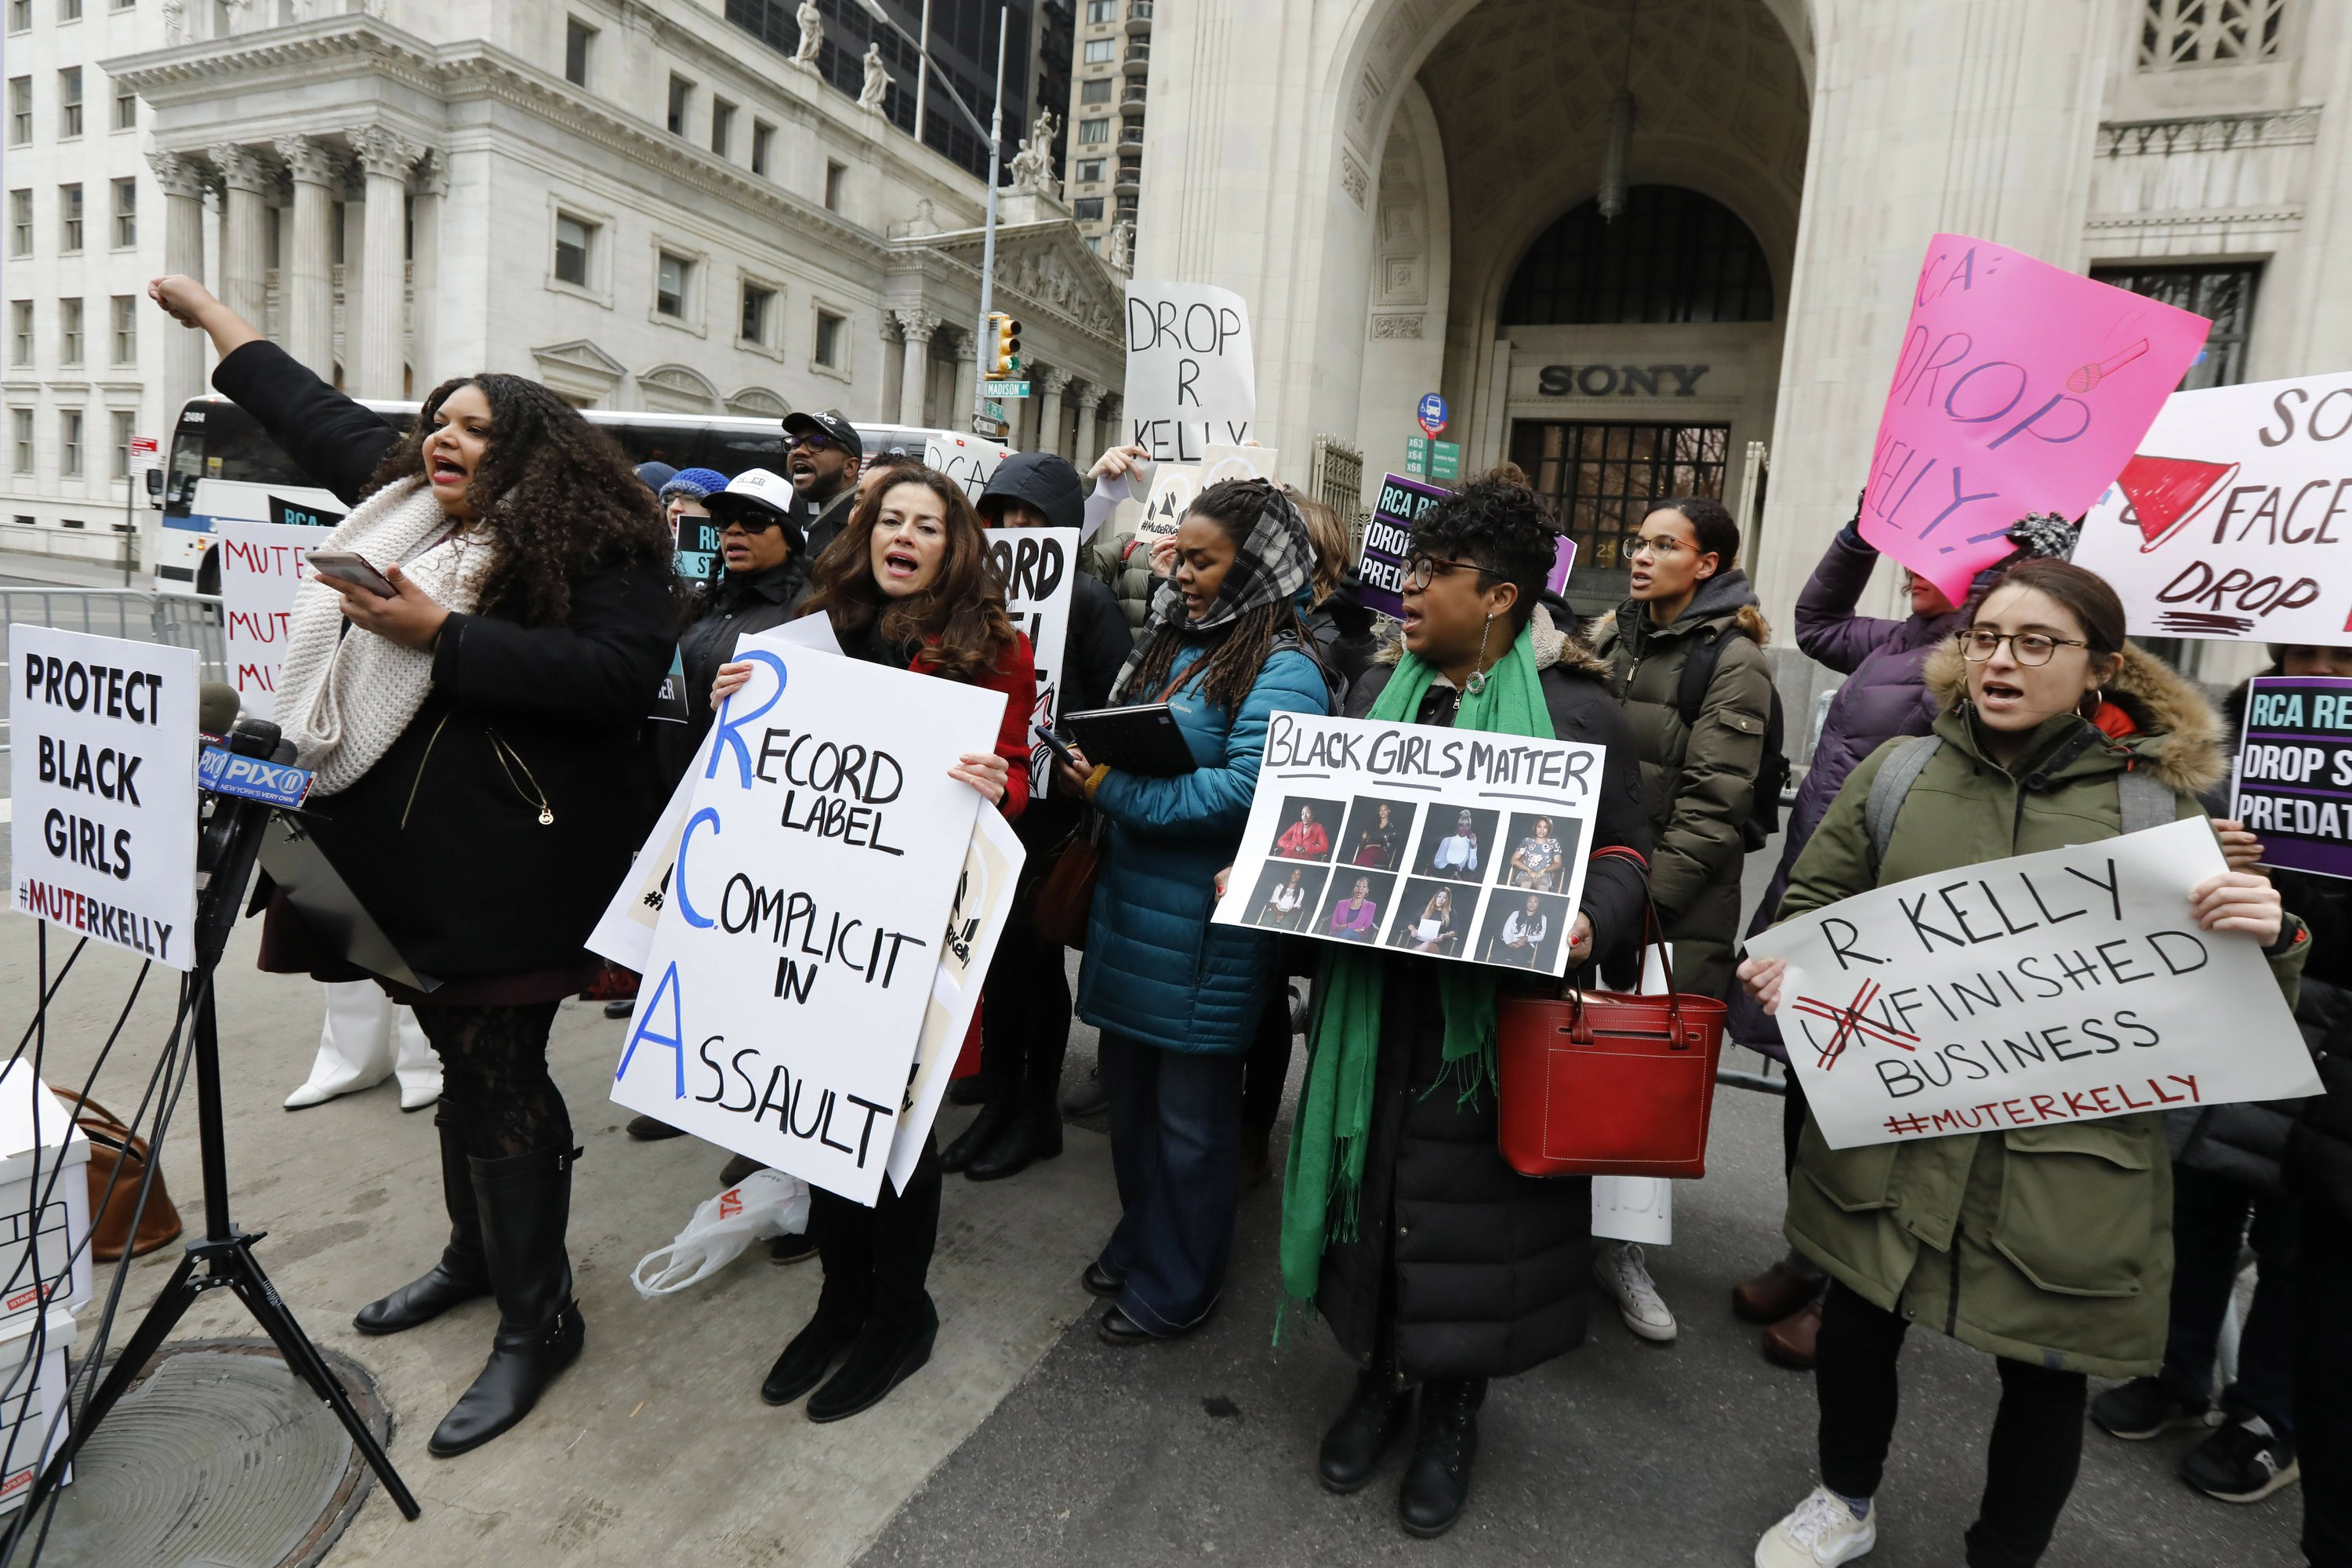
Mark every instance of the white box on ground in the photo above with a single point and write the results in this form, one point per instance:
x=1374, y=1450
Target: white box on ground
x=43, y=1164
x=31, y=1398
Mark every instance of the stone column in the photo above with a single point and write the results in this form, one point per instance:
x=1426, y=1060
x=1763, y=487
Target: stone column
x=886, y=407
x=244, y=251
x=184, y=252
x=1049, y=411
x=424, y=272
x=354, y=226
x=916, y=329
x=384, y=157
x=308, y=265
x=967, y=385
x=1088, y=439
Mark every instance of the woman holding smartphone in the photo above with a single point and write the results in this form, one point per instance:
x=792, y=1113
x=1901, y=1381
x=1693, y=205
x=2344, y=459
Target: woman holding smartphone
x=475, y=737
x=1176, y=998
x=906, y=585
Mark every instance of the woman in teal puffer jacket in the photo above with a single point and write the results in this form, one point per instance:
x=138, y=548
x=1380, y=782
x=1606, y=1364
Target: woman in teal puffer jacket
x=1177, y=999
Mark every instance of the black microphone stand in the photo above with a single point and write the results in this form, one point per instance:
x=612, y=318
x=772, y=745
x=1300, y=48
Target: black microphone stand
x=230, y=843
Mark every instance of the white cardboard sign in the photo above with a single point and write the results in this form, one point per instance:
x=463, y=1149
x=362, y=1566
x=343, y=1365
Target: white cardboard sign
x=261, y=565
x=992, y=866
x=791, y=961
x=1039, y=567
x=1192, y=377
x=102, y=771
x=2069, y=985
x=1455, y=844
x=2233, y=521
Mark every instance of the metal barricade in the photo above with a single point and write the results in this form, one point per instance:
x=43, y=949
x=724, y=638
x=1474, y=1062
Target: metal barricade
x=173, y=617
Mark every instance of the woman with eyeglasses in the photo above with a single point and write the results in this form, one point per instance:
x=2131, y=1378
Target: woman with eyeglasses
x=1699, y=764
x=1437, y=1266
x=907, y=585
x=2048, y=1248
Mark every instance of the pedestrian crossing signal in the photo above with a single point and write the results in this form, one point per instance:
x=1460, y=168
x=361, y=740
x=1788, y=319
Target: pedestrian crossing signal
x=1004, y=346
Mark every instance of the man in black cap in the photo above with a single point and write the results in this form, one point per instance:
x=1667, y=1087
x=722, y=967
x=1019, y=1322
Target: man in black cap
x=822, y=459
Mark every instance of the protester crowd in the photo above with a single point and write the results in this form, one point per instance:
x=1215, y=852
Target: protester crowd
x=501, y=693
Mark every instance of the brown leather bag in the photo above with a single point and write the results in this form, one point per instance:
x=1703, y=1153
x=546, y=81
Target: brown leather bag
x=1065, y=894
x=114, y=1147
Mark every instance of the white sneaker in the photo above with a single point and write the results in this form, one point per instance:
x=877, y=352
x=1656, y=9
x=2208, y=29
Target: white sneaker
x=1621, y=1270
x=1820, y=1534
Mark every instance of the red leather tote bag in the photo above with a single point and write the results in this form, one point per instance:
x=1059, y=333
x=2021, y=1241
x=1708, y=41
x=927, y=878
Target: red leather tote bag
x=1603, y=1083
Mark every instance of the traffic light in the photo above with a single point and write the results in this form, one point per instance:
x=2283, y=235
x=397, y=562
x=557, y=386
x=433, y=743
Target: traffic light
x=1004, y=346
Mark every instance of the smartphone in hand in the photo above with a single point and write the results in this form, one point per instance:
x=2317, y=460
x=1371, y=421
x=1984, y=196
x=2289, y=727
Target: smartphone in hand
x=350, y=566
x=1055, y=744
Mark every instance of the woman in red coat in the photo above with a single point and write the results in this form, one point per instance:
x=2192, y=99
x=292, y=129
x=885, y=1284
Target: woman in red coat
x=907, y=583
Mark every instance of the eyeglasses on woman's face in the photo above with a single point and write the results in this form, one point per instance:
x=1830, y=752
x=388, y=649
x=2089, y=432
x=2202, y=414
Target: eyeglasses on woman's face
x=1657, y=546
x=2032, y=649
x=1421, y=570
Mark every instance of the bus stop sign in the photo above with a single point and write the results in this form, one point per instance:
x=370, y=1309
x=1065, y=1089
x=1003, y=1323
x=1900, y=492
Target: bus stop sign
x=1432, y=413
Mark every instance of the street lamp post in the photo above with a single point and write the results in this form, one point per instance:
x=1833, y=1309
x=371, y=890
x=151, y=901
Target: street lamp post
x=993, y=133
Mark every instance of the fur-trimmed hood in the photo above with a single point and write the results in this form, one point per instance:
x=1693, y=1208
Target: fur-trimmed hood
x=1553, y=646
x=2179, y=729
x=1747, y=616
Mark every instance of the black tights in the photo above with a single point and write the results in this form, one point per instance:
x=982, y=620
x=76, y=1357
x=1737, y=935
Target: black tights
x=494, y=1077
x=2030, y=1465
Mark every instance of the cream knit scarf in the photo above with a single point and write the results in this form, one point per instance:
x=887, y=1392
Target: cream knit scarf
x=345, y=700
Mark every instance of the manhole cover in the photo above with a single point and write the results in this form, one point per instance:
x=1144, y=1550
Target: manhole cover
x=217, y=1457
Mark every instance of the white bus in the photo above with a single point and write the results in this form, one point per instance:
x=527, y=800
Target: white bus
x=224, y=464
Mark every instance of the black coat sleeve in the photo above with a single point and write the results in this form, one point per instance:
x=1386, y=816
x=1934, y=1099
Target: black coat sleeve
x=1582, y=709
x=332, y=438
x=1097, y=647
x=603, y=665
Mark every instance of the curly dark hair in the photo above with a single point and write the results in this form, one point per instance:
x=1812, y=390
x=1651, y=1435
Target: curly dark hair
x=959, y=621
x=1232, y=668
x=1711, y=521
x=1498, y=523
x=557, y=495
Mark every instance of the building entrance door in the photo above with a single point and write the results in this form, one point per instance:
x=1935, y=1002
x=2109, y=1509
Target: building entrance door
x=1601, y=478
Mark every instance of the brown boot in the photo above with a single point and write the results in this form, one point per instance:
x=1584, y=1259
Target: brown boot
x=1773, y=1294
x=1790, y=1341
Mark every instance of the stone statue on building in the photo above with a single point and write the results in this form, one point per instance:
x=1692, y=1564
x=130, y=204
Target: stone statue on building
x=1118, y=245
x=877, y=81
x=1033, y=165
x=175, y=22
x=812, y=23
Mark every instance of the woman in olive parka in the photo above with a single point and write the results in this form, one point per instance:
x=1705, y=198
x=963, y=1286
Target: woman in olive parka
x=2048, y=1246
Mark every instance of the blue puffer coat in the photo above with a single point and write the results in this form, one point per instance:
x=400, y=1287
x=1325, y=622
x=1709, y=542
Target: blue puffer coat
x=1155, y=970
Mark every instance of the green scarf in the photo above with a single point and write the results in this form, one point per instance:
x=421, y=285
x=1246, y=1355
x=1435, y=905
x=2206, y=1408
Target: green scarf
x=1325, y=1174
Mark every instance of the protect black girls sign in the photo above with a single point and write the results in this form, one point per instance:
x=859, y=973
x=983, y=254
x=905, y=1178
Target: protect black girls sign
x=2070, y=985
x=1454, y=843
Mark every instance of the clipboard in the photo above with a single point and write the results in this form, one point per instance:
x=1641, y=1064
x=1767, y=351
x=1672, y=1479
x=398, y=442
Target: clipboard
x=1143, y=739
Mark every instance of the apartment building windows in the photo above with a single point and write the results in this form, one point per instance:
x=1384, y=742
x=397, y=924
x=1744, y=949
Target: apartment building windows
x=578, y=44
x=69, y=101
x=69, y=331
x=126, y=214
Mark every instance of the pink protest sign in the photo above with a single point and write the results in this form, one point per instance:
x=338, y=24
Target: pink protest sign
x=2020, y=388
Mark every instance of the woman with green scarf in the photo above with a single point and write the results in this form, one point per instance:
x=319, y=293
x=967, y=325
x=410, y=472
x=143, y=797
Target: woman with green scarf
x=1436, y=1265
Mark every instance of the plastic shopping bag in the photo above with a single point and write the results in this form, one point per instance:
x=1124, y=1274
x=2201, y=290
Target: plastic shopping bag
x=767, y=1204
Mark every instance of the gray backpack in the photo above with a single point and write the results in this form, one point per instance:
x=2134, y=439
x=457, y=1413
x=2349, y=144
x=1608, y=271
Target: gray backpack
x=2146, y=801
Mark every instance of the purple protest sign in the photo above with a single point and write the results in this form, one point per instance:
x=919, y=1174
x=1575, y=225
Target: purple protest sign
x=1563, y=562
x=2293, y=782
x=1379, y=567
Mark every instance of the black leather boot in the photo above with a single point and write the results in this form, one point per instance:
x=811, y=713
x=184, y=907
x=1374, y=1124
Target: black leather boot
x=1033, y=1134
x=461, y=1275
x=885, y=1355
x=995, y=1118
x=1437, y=1481
x=1375, y=1413
x=525, y=1203
x=810, y=1353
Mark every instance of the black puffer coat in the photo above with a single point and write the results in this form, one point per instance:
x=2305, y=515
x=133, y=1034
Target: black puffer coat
x=737, y=607
x=1488, y=1268
x=442, y=839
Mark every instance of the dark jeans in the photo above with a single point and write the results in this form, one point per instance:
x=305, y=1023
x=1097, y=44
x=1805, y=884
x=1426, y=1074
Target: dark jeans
x=494, y=1077
x=2323, y=1371
x=876, y=1259
x=2030, y=1465
x=1267, y=1065
x=2209, y=1223
x=1173, y=1119
x=1025, y=1029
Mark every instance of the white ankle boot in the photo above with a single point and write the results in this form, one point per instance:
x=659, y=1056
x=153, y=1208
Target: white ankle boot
x=419, y=1070
x=355, y=1047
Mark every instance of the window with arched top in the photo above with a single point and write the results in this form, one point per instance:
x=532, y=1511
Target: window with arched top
x=1673, y=254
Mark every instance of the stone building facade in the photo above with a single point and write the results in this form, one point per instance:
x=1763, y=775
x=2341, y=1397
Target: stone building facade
x=644, y=206
x=1408, y=191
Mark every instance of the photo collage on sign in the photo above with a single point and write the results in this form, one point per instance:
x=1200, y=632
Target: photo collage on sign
x=1391, y=871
